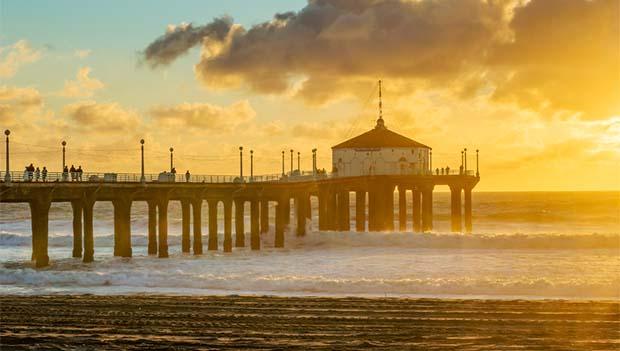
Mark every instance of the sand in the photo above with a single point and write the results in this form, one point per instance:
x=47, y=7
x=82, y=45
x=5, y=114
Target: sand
x=133, y=322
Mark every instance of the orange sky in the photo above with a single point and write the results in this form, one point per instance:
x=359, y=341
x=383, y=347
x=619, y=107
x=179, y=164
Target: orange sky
x=535, y=85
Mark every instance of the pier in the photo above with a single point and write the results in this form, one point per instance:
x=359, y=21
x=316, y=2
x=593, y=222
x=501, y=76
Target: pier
x=375, y=204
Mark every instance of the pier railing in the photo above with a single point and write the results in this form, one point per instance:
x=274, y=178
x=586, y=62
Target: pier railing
x=165, y=177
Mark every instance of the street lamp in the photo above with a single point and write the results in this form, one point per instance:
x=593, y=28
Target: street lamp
x=291, y=161
x=282, y=162
x=477, y=169
x=251, y=165
x=431, y=161
x=314, y=161
x=241, y=162
x=462, y=160
x=171, y=159
x=142, y=178
x=64, y=143
x=7, y=176
x=298, y=162
x=465, y=160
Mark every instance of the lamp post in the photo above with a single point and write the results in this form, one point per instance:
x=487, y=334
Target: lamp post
x=431, y=161
x=251, y=165
x=241, y=162
x=142, y=178
x=291, y=161
x=64, y=143
x=465, y=160
x=477, y=169
x=298, y=162
x=462, y=159
x=282, y=162
x=171, y=159
x=314, y=161
x=7, y=176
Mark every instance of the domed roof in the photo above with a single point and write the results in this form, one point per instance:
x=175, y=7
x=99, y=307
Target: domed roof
x=379, y=137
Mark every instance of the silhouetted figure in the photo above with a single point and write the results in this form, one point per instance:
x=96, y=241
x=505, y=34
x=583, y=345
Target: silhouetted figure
x=65, y=174
x=461, y=169
x=26, y=174
x=437, y=171
x=44, y=174
x=79, y=172
x=37, y=174
x=73, y=174
x=30, y=172
x=447, y=170
x=187, y=176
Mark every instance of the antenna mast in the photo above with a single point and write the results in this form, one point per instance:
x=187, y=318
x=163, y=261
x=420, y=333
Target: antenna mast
x=380, y=102
x=380, y=123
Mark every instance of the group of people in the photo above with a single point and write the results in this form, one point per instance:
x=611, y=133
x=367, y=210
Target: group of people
x=445, y=171
x=76, y=174
x=31, y=173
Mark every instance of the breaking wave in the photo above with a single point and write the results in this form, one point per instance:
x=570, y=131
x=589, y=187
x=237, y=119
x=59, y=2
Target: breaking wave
x=402, y=240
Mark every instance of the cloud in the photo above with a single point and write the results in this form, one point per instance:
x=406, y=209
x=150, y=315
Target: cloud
x=204, y=116
x=82, y=53
x=565, y=56
x=179, y=39
x=14, y=56
x=102, y=117
x=83, y=85
x=542, y=54
x=17, y=103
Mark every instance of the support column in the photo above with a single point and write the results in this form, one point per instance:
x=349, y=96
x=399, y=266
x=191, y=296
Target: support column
x=332, y=210
x=372, y=210
x=185, y=224
x=402, y=208
x=264, y=216
x=162, y=240
x=468, y=221
x=455, y=206
x=122, y=226
x=77, y=228
x=360, y=211
x=389, y=208
x=301, y=215
x=152, y=245
x=427, y=208
x=197, y=218
x=212, y=224
x=239, y=225
x=89, y=243
x=286, y=207
x=227, y=225
x=254, y=225
x=308, y=206
x=323, y=220
x=343, y=211
x=416, y=216
x=280, y=224
x=39, y=211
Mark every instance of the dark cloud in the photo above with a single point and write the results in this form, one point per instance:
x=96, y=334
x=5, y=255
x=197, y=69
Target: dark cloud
x=565, y=55
x=537, y=53
x=179, y=39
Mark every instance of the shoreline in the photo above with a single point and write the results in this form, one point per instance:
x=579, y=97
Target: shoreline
x=271, y=322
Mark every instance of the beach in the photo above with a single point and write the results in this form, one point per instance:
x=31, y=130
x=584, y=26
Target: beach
x=128, y=322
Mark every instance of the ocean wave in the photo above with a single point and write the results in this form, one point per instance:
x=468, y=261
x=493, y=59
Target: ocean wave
x=324, y=240
x=180, y=282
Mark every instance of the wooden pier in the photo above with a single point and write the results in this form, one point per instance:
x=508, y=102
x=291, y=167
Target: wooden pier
x=374, y=208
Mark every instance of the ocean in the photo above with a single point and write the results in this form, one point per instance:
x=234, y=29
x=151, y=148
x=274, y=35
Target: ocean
x=525, y=245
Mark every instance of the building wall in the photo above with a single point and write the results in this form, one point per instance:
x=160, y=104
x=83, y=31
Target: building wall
x=379, y=161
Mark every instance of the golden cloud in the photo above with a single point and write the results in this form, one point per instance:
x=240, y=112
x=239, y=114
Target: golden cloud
x=204, y=116
x=83, y=85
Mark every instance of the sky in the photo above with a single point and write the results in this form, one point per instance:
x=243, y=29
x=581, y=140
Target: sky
x=533, y=84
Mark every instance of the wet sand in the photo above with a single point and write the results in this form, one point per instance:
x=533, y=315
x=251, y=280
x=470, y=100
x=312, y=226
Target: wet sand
x=89, y=322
